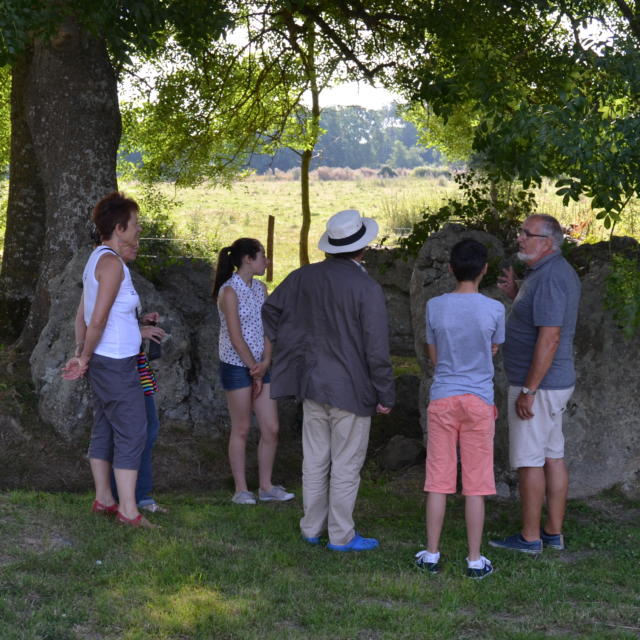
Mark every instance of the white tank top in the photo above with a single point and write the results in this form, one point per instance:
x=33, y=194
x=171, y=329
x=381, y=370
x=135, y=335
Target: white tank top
x=121, y=336
x=250, y=301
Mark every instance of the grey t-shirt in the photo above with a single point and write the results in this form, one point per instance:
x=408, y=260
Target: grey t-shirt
x=463, y=326
x=548, y=296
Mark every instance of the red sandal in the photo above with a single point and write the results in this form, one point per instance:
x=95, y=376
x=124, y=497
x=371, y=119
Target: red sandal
x=139, y=521
x=98, y=507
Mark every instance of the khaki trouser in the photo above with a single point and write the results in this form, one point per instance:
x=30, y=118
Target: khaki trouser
x=334, y=445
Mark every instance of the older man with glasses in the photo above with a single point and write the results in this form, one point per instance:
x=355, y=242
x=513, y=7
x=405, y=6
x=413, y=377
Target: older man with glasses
x=538, y=360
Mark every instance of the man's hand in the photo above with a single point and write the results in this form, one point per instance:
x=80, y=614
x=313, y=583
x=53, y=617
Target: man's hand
x=524, y=406
x=507, y=283
x=381, y=409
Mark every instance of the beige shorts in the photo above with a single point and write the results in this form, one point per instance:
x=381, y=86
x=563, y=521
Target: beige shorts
x=532, y=441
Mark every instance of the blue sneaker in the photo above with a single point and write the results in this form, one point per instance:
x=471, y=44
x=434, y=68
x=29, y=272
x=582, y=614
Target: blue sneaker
x=357, y=543
x=552, y=540
x=518, y=543
x=312, y=539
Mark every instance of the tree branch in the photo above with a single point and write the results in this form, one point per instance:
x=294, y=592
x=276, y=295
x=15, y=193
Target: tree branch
x=633, y=18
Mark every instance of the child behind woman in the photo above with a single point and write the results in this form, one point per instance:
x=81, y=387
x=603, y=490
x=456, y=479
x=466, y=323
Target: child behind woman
x=463, y=330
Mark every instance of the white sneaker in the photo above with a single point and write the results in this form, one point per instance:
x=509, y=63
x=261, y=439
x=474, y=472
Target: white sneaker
x=244, y=497
x=479, y=569
x=275, y=494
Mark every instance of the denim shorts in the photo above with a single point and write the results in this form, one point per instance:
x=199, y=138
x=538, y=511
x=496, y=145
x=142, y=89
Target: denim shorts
x=234, y=377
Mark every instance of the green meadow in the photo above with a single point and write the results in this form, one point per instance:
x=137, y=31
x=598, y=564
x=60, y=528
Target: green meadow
x=215, y=216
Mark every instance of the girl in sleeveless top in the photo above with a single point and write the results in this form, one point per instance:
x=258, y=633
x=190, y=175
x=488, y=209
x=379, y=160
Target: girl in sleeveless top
x=245, y=358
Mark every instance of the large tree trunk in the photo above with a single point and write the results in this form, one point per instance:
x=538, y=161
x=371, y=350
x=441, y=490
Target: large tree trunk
x=71, y=107
x=26, y=215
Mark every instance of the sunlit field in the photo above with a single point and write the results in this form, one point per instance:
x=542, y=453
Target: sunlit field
x=219, y=215
x=218, y=571
x=214, y=216
x=222, y=214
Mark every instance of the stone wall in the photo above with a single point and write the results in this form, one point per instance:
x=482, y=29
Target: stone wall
x=602, y=423
x=393, y=271
x=190, y=398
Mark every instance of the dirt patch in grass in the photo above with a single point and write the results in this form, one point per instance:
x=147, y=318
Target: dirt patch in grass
x=21, y=531
x=613, y=508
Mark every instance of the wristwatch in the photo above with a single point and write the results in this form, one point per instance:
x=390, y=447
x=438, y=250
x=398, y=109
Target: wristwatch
x=528, y=392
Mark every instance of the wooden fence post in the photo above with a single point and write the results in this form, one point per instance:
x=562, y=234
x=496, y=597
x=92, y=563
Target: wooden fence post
x=270, y=228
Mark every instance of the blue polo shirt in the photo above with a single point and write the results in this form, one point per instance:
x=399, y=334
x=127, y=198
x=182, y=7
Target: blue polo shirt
x=549, y=296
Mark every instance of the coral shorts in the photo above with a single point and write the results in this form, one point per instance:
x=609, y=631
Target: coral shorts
x=466, y=422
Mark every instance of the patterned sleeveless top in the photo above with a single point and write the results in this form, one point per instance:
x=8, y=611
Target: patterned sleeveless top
x=250, y=300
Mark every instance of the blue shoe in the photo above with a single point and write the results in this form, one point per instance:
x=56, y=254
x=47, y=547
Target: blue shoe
x=357, y=543
x=518, y=543
x=312, y=539
x=552, y=540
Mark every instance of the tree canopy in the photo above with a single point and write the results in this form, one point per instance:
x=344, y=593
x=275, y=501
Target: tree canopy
x=550, y=88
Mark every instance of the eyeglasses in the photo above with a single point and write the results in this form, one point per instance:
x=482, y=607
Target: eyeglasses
x=528, y=234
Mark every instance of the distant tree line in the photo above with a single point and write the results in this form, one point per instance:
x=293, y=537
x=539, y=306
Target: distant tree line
x=358, y=137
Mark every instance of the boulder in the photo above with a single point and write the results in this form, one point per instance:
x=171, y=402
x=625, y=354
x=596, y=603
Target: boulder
x=393, y=271
x=401, y=452
x=189, y=397
x=601, y=423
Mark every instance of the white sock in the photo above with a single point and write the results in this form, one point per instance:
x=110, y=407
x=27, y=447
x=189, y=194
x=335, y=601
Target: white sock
x=477, y=564
x=431, y=558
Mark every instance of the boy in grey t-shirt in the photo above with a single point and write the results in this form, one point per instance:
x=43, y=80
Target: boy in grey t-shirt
x=464, y=329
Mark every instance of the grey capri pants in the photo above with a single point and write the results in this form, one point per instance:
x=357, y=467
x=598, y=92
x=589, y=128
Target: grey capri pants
x=119, y=429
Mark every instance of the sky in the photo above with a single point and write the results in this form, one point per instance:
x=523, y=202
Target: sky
x=357, y=93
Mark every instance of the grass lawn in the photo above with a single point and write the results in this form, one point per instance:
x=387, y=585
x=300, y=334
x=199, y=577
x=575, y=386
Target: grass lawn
x=217, y=570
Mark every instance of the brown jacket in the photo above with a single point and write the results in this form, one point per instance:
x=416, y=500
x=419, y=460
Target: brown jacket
x=328, y=323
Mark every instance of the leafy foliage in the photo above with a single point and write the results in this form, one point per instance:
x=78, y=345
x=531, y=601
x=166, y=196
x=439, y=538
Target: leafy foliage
x=496, y=208
x=355, y=137
x=128, y=26
x=540, y=96
x=623, y=293
x=205, y=116
x=453, y=136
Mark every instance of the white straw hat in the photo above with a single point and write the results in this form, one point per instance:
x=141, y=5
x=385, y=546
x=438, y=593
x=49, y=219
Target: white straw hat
x=347, y=231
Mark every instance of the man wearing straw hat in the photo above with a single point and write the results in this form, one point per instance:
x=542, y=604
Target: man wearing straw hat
x=328, y=323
